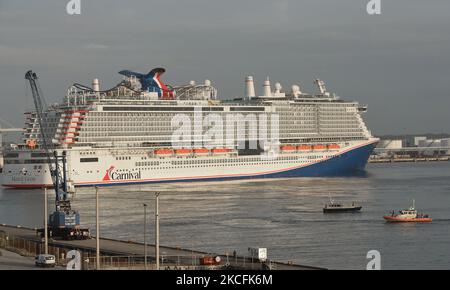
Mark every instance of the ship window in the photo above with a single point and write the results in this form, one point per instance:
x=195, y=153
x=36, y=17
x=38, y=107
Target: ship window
x=89, y=159
x=254, y=109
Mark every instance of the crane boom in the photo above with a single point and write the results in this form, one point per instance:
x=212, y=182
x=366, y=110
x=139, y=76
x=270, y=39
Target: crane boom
x=40, y=109
x=57, y=173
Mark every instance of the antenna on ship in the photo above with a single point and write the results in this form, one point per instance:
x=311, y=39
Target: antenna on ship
x=322, y=87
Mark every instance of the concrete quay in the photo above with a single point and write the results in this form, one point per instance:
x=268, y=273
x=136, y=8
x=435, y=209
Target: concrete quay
x=128, y=255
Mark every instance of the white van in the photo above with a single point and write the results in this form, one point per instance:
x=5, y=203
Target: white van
x=45, y=260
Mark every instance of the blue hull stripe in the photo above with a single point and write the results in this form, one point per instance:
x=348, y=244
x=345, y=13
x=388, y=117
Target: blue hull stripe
x=351, y=162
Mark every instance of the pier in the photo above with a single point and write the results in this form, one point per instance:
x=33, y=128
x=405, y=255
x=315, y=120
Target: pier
x=129, y=255
x=411, y=149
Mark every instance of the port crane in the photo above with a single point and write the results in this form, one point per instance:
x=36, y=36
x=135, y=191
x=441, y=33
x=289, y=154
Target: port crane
x=64, y=222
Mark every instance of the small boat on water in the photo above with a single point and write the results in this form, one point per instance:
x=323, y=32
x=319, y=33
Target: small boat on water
x=333, y=207
x=408, y=215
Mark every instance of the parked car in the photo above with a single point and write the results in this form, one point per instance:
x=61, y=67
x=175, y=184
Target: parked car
x=45, y=260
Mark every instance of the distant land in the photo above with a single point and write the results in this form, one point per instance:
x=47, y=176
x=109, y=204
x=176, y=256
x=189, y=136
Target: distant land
x=407, y=136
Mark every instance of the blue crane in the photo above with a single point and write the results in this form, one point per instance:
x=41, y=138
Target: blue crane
x=64, y=222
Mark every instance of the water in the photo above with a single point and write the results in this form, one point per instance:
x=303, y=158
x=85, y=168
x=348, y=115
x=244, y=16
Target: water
x=283, y=215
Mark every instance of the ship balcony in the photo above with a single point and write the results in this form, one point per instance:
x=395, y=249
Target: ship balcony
x=66, y=133
x=73, y=116
x=72, y=123
x=71, y=127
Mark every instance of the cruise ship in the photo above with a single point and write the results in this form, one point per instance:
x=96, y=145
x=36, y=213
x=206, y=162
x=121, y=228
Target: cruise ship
x=144, y=131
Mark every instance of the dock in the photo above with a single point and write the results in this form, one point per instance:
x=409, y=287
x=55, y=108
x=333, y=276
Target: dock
x=129, y=255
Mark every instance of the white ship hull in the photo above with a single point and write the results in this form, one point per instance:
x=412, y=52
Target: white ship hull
x=133, y=166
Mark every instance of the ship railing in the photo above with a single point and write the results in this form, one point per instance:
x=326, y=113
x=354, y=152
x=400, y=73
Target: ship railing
x=195, y=92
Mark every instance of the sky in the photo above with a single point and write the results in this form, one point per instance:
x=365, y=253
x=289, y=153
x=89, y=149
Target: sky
x=397, y=63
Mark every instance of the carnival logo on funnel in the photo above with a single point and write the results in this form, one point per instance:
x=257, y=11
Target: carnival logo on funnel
x=111, y=175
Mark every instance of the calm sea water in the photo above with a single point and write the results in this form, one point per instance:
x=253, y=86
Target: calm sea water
x=284, y=216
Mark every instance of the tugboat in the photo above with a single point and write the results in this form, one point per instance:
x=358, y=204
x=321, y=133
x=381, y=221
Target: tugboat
x=332, y=207
x=408, y=215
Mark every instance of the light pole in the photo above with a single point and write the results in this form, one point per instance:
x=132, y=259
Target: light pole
x=157, y=229
x=45, y=222
x=145, y=236
x=97, y=234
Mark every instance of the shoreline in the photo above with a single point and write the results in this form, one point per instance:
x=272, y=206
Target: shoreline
x=413, y=160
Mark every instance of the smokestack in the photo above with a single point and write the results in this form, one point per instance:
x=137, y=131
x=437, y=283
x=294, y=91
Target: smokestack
x=266, y=88
x=249, y=87
x=95, y=85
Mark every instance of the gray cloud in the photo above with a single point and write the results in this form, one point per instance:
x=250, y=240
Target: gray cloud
x=397, y=62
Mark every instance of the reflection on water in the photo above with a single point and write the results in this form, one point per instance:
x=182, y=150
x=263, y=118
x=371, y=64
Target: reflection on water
x=284, y=215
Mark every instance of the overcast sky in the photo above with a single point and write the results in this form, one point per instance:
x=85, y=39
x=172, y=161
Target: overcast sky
x=398, y=63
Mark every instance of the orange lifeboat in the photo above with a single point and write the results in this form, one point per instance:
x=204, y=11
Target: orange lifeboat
x=220, y=150
x=201, y=151
x=288, y=148
x=183, y=151
x=319, y=147
x=304, y=147
x=163, y=152
x=333, y=146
